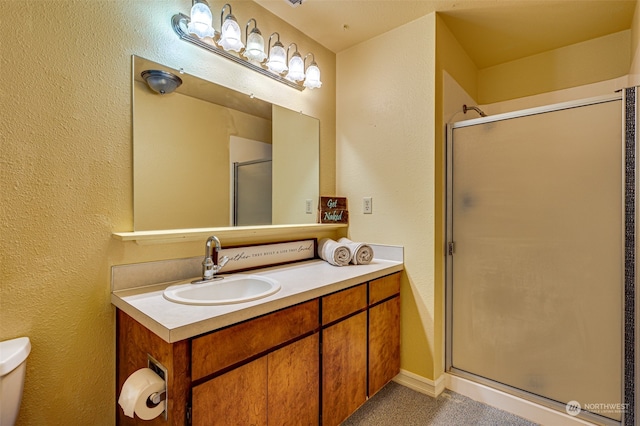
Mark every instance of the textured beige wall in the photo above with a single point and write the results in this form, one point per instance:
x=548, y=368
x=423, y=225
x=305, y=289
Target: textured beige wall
x=583, y=63
x=66, y=178
x=385, y=149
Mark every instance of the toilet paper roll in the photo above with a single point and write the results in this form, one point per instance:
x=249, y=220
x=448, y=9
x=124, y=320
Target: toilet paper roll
x=138, y=387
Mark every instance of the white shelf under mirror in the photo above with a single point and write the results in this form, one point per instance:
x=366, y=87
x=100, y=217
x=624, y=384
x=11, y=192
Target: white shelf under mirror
x=229, y=234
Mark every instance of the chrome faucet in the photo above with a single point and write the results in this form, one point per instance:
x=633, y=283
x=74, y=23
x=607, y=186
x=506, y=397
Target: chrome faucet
x=210, y=269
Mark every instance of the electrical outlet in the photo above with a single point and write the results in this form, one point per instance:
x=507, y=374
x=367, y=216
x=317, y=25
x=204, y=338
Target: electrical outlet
x=367, y=207
x=308, y=207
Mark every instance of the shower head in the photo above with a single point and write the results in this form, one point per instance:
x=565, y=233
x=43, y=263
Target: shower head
x=466, y=108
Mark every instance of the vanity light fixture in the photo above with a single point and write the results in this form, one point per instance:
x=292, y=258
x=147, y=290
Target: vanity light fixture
x=255, y=43
x=201, y=20
x=312, y=80
x=197, y=30
x=277, y=61
x=161, y=82
x=230, y=34
x=296, y=65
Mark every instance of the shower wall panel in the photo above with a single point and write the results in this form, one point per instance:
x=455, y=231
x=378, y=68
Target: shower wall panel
x=537, y=273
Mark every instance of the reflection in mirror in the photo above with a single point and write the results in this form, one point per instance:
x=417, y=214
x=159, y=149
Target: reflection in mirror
x=186, y=145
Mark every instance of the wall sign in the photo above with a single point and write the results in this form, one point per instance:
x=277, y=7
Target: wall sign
x=250, y=257
x=333, y=210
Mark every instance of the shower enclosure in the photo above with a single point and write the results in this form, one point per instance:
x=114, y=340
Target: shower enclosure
x=252, y=190
x=541, y=255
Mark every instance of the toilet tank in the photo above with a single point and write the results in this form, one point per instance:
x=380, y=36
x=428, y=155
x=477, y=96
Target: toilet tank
x=13, y=362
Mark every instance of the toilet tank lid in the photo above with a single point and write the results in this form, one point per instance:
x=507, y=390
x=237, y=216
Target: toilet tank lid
x=13, y=353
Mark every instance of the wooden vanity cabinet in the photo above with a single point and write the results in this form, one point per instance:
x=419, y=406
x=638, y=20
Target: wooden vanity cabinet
x=311, y=363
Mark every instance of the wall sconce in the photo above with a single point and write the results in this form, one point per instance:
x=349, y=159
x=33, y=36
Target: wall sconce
x=312, y=80
x=296, y=65
x=197, y=30
x=277, y=61
x=255, y=43
x=230, y=34
x=201, y=20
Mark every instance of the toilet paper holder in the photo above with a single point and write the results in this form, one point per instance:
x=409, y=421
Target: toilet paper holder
x=157, y=397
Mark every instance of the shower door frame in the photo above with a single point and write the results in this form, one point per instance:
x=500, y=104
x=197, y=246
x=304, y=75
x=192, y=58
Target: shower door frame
x=630, y=304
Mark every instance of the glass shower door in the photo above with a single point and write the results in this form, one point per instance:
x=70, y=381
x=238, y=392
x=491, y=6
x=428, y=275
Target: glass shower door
x=535, y=281
x=252, y=193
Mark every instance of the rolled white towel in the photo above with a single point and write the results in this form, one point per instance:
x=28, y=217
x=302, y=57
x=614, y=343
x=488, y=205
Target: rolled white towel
x=362, y=254
x=333, y=252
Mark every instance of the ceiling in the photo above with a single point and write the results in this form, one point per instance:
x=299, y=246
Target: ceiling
x=491, y=31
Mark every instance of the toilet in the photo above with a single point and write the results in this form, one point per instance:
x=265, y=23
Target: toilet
x=13, y=364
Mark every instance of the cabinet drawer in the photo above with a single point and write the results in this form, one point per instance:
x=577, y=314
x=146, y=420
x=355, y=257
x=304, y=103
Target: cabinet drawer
x=383, y=288
x=343, y=303
x=226, y=347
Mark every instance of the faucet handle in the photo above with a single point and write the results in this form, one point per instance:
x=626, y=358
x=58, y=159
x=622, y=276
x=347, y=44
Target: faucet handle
x=221, y=262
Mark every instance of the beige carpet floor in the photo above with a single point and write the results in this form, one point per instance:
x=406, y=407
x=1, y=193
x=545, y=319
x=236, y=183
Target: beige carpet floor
x=398, y=405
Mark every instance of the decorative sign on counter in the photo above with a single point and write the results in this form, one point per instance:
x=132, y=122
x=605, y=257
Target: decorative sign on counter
x=333, y=210
x=249, y=257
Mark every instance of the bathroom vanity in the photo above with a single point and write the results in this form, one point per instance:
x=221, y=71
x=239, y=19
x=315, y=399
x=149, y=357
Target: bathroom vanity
x=313, y=352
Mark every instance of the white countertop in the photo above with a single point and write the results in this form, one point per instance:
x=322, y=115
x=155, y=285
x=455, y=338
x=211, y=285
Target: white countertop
x=299, y=281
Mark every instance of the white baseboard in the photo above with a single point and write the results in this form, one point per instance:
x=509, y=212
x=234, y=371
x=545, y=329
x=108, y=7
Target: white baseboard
x=512, y=404
x=421, y=384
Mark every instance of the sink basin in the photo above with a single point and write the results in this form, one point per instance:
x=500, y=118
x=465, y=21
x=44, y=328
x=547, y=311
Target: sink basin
x=236, y=288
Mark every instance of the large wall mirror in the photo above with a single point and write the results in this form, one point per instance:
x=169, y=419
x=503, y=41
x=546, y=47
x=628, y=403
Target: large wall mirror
x=207, y=156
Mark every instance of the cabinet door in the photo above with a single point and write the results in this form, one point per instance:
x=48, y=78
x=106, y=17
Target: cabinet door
x=384, y=343
x=294, y=383
x=238, y=397
x=344, y=368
